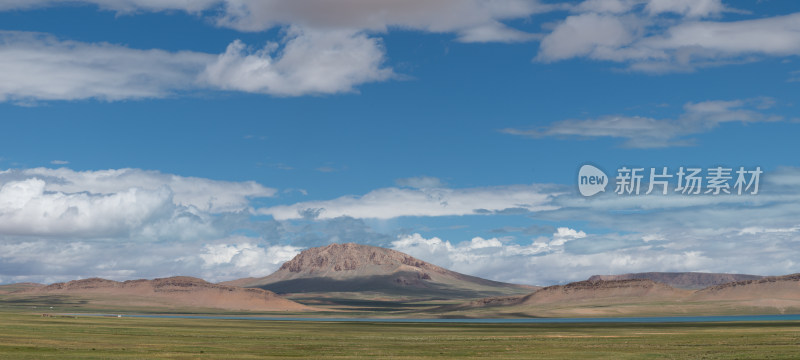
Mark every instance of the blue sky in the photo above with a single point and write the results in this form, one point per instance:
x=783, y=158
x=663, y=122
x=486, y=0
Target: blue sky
x=218, y=138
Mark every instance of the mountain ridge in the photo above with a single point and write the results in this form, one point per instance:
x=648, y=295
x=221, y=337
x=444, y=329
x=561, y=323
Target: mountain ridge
x=682, y=280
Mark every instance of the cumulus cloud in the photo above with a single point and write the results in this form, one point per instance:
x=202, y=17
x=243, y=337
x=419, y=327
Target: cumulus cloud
x=239, y=257
x=333, y=47
x=586, y=35
x=495, y=258
x=654, y=233
x=329, y=47
x=62, y=224
x=203, y=194
x=778, y=35
x=314, y=62
x=25, y=208
x=64, y=202
x=40, y=67
x=564, y=234
x=553, y=260
x=667, y=36
x=396, y=202
x=36, y=66
x=646, y=132
x=222, y=259
x=731, y=234
x=473, y=20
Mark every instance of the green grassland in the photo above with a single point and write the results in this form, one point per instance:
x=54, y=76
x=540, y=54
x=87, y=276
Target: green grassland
x=31, y=336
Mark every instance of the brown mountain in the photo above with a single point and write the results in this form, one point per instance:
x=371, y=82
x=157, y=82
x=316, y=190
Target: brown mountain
x=179, y=291
x=367, y=271
x=610, y=291
x=682, y=280
x=633, y=289
x=642, y=297
x=776, y=290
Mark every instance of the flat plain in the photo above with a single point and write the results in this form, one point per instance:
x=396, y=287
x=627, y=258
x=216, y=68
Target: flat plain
x=32, y=336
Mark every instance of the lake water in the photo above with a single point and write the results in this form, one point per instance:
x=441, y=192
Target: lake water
x=662, y=319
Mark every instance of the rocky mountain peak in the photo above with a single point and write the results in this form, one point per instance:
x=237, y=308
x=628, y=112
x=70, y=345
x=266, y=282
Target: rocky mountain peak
x=352, y=257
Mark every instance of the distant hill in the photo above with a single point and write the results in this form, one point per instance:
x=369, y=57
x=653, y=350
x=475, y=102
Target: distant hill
x=641, y=297
x=634, y=289
x=609, y=292
x=179, y=291
x=776, y=289
x=682, y=280
x=9, y=288
x=368, y=271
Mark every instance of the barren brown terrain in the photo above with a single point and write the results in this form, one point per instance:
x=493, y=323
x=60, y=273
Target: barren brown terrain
x=682, y=280
x=642, y=297
x=362, y=280
x=368, y=271
x=179, y=291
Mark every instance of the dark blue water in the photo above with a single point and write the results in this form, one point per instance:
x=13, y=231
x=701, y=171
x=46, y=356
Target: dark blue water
x=660, y=319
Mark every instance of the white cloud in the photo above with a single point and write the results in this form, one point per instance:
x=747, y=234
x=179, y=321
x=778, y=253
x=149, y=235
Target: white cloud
x=777, y=36
x=760, y=229
x=702, y=222
x=309, y=62
x=120, y=204
x=551, y=260
x=635, y=233
x=585, y=35
x=492, y=258
x=473, y=20
x=389, y=203
x=25, y=208
x=756, y=234
x=646, y=35
x=660, y=36
x=326, y=48
x=564, y=234
x=40, y=67
x=61, y=224
x=691, y=8
x=646, y=132
x=239, y=257
x=203, y=194
x=219, y=260
x=37, y=66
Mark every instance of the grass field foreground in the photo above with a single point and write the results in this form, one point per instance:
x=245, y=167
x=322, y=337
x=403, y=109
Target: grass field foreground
x=31, y=336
